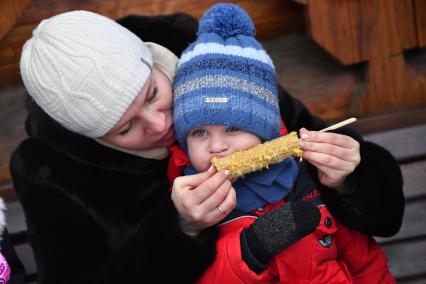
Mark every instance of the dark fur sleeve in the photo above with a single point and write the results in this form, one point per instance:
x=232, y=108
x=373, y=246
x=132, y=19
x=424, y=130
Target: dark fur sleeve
x=74, y=242
x=371, y=199
x=165, y=255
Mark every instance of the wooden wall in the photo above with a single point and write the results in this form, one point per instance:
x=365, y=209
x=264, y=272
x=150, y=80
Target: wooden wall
x=377, y=33
x=272, y=18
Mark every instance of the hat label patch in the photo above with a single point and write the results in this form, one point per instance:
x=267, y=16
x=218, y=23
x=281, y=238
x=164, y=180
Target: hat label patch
x=216, y=100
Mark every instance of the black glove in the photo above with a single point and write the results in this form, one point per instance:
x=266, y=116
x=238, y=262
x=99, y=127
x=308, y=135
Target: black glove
x=276, y=230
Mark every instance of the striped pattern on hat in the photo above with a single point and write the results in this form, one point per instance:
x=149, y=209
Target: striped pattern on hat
x=226, y=78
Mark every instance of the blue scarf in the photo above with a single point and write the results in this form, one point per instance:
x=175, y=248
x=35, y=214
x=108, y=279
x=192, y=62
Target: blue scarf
x=263, y=187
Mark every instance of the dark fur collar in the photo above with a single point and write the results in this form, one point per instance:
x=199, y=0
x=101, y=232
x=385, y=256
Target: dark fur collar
x=87, y=151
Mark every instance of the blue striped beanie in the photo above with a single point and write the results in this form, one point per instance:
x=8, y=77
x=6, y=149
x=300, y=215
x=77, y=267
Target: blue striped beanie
x=226, y=78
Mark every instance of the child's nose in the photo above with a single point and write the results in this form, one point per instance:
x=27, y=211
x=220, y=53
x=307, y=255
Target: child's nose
x=218, y=145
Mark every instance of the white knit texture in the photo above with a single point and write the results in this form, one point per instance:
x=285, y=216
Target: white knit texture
x=84, y=70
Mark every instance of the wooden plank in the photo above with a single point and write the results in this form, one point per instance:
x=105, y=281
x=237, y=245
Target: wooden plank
x=418, y=280
x=405, y=143
x=388, y=84
x=373, y=31
x=390, y=120
x=271, y=20
x=269, y=12
x=7, y=192
x=414, y=180
x=379, y=33
x=15, y=218
x=333, y=24
x=349, y=30
x=26, y=255
x=313, y=76
x=12, y=120
x=9, y=75
x=10, y=12
x=405, y=13
x=416, y=72
x=420, y=10
x=414, y=215
x=274, y=18
x=407, y=259
x=11, y=45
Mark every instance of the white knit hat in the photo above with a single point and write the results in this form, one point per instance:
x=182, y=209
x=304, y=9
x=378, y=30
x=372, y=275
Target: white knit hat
x=85, y=70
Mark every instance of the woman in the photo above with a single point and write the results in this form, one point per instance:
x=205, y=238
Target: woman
x=91, y=177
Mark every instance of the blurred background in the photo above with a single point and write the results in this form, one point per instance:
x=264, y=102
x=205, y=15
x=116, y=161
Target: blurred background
x=342, y=58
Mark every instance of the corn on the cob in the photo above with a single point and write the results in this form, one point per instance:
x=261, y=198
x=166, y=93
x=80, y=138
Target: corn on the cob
x=260, y=156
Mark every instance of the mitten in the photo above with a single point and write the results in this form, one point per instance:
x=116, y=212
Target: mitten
x=276, y=230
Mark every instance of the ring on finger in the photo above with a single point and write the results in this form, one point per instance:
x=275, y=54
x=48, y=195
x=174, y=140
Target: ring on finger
x=220, y=210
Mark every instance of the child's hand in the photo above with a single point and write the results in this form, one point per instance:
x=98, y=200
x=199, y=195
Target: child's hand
x=276, y=230
x=334, y=155
x=203, y=200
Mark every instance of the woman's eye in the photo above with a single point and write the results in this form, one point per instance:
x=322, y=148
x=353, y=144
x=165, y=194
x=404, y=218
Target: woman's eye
x=199, y=133
x=126, y=131
x=153, y=94
x=232, y=129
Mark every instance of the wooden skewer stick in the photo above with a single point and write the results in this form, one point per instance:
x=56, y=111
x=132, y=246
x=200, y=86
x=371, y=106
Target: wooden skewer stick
x=338, y=125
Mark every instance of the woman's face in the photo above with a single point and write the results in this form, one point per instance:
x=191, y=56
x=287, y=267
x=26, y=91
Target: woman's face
x=148, y=121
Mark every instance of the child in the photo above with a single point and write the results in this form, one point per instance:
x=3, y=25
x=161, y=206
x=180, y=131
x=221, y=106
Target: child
x=225, y=100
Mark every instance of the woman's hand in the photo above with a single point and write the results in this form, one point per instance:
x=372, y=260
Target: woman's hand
x=334, y=155
x=203, y=200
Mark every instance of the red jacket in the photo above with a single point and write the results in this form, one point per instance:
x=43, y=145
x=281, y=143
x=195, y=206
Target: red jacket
x=331, y=254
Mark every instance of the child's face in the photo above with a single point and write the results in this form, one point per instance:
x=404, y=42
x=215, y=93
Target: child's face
x=210, y=141
x=148, y=121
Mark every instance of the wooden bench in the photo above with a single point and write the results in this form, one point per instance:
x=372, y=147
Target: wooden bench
x=407, y=249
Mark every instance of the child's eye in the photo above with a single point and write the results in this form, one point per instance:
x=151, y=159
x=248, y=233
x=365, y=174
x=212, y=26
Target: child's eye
x=153, y=94
x=199, y=133
x=232, y=129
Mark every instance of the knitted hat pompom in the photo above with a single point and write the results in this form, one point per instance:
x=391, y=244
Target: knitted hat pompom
x=226, y=20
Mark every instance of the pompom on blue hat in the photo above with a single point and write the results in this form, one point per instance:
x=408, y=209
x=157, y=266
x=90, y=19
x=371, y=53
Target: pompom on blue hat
x=226, y=20
x=226, y=78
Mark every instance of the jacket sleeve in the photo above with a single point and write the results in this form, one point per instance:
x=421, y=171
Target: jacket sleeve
x=74, y=242
x=371, y=199
x=164, y=255
x=364, y=258
x=55, y=232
